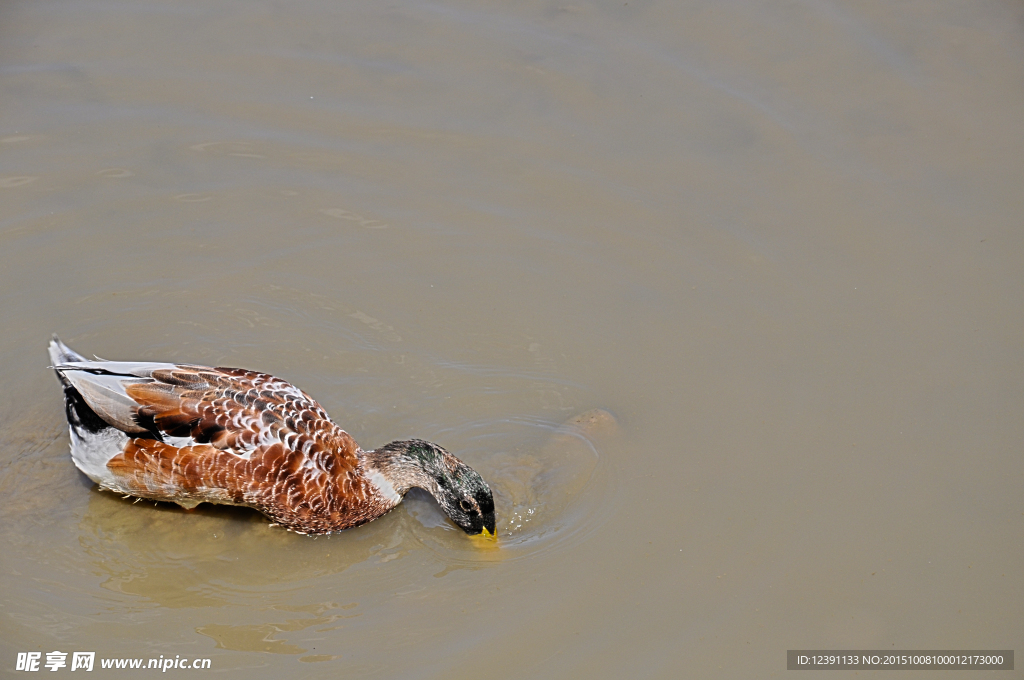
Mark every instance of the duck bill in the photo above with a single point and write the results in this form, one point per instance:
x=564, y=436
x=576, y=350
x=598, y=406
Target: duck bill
x=485, y=537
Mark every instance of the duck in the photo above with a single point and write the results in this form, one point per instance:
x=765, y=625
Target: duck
x=190, y=434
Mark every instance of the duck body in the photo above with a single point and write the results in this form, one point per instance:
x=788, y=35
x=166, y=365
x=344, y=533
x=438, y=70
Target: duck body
x=194, y=434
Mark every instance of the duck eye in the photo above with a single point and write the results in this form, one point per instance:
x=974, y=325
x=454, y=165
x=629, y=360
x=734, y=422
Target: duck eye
x=465, y=505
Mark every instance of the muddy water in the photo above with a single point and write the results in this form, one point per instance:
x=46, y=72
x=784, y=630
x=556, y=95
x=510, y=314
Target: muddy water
x=781, y=243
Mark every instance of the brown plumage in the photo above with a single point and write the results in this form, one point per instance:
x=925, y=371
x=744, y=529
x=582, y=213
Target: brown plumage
x=193, y=434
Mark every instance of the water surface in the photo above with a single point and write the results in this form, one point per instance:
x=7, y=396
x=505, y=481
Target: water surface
x=780, y=243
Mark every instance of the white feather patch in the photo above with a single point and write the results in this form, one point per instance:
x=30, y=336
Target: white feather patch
x=91, y=452
x=384, y=486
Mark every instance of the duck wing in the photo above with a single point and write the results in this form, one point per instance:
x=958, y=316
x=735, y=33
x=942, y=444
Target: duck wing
x=190, y=434
x=231, y=409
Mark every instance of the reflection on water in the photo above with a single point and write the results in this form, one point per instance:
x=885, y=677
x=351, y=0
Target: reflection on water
x=227, y=557
x=545, y=496
x=216, y=555
x=261, y=638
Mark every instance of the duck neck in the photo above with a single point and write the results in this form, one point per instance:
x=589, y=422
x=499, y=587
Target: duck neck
x=395, y=468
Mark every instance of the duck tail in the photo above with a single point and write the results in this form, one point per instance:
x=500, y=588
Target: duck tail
x=81, y=417
x=62, y=354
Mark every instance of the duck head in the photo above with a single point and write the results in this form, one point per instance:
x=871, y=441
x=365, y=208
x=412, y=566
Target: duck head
x=459, y=489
